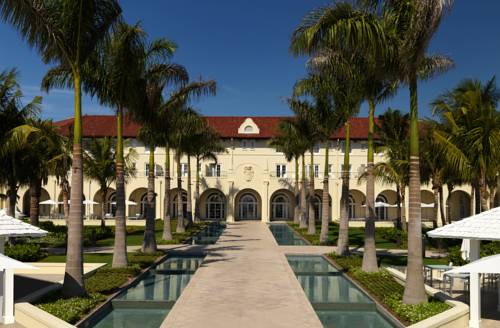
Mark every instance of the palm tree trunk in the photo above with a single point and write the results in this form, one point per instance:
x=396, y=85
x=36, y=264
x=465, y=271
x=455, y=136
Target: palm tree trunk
x=189, y=193
x=167, y=227
x=414, y=288
x=435, y=209
x=448, y=210
x=398, y=204
x=120, y=259
x=311, y=227
x=296, y=211
x=325, y=208
x=441, y=206
x=149, y=242
x=65, y=196
x=12, y=195
x=483, y=193
x=197, y=192
x=35, y=189
x=180, y=211
x=303, y=198
x=370, y=251
x=477, y=197
x=404, y=223
x=73, y=276
x=343, y=240
x=492, y=197
x=104, y=194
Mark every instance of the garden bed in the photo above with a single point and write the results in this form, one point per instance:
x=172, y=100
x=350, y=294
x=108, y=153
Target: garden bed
x=388, y=292
x=100, y=285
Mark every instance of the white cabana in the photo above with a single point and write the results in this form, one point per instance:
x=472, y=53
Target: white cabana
x=427, y=205
x=7, y=266
x=10, y=227
x=482, y=226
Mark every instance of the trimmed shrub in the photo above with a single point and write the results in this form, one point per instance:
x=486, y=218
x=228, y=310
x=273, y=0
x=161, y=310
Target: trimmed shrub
x=51, y=227
x=389, y=292
x=25, y=252
x=107, y=280
x=70, y=309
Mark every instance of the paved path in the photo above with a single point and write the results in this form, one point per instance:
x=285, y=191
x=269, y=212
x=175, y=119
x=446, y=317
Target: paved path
x=245, y=281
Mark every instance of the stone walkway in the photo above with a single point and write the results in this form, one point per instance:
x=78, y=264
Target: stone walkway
x=245, y=281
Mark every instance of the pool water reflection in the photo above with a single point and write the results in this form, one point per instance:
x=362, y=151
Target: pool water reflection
x=285, y=236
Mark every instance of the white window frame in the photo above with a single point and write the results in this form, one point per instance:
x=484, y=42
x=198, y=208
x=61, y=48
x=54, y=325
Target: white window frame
x=214, y=170
x=184, y=169
x=281, y=170
x=316, y=170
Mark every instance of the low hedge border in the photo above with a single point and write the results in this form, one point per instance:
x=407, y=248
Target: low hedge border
x=101, y=285
x=386, y=290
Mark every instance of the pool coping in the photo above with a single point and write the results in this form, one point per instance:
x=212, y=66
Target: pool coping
x=387, y=314
x=308, y=243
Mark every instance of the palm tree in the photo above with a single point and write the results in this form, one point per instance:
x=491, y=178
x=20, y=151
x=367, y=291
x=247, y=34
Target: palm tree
x=13, y=115
x=208, y=144
x=62, y=166
x=307, y=122
x=167, y=228
x=472, y=131
x=414, y=24
x=44, y=149
x=67, y=32
x=293, y=146
x=393, y=130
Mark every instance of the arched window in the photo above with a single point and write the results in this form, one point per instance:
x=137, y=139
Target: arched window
x=352, y=207
x=280, y=207
x=248, y=129
x=215, y=207
x=247, y=207
x=463, y=206
x=381, y=211
x=317, y=207
x=184, y=205
x=112, y=204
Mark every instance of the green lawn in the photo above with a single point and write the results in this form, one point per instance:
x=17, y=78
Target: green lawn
x=402, y=260
x=356, y=236
x=135, y=235
x=87, y=258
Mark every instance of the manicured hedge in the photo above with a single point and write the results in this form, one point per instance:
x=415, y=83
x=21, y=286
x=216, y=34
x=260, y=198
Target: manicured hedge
x=70, y=309
x=25, y=252
x=103, y=282
x=382, y=286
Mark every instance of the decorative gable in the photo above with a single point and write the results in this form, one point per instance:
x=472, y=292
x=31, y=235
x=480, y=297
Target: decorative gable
x=248, y=127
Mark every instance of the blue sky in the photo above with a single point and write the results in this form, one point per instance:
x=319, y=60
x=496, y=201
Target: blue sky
x=243, y=44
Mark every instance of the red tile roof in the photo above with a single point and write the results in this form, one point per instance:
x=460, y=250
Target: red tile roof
x=226, y=126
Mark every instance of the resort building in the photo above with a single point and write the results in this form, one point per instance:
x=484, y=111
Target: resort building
x=249, y=181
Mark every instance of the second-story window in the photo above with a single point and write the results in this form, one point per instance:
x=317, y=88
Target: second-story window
x=248, y=144
x=184, y=169
x=158, y=170
x=316, y=170
x=330, y=170
x=281, y=170
x=213, y=170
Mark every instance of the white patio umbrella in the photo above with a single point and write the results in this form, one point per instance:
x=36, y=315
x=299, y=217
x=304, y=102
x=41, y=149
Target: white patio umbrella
x=381, y=204
x=48, y=202
x=427, y=205
x=127, y=202
x=7, y=266
x=89, y=202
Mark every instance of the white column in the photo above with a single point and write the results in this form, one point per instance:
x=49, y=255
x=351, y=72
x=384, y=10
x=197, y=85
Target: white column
x=230, y=203
x=265, y=204
x=475, y=288
x=8, y=296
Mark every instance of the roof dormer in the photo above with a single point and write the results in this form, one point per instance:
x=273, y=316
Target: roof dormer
x=248, y=127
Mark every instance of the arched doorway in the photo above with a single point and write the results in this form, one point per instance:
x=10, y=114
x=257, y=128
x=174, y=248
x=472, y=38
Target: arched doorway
x=381, y=211
x=458, y=205
x=175, y=199
x=43, y=210
x=280, y=207
x=356, y=204
x=108, y=209
x=213, y=205
x=427, y=200
x=248, y=205
x=318, y=205
x=139, y=197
